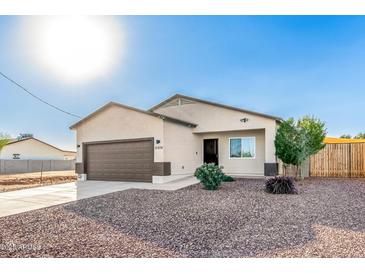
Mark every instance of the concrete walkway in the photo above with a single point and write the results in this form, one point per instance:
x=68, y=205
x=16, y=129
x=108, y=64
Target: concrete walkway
x=18, y=201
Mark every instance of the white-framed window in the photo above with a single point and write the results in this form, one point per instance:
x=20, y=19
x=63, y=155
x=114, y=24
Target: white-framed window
x=242, y=147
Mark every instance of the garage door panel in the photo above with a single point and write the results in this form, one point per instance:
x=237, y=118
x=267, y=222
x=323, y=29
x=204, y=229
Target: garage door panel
x=127, y=169
x=117, y=155
x=117, y=151
x=120, y=146
x=120, y=161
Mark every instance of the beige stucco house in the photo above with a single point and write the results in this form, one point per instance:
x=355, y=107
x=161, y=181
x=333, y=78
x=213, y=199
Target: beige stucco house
x=170, y=140
x=34, y=149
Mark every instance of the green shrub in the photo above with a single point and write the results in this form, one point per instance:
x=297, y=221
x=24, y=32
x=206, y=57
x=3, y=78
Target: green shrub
x=210, y=175
x=227, y=178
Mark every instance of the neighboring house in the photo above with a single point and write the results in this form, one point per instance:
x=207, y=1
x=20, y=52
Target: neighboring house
x=34, y=149
x=170, y=140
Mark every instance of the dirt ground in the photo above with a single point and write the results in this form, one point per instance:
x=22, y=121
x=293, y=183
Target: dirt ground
x=28, y=180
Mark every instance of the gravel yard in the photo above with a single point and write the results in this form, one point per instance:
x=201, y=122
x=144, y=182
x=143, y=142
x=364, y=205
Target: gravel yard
x=326, y=219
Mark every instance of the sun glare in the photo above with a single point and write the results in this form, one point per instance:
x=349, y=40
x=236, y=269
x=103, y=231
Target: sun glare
x=74, y=48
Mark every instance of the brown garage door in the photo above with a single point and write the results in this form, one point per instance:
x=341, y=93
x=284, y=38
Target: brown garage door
x=126, y=160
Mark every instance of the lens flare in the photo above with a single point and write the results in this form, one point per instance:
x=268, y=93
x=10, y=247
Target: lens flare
x=74, y=48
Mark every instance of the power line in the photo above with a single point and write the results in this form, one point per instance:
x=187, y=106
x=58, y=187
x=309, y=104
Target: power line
x=36, y=97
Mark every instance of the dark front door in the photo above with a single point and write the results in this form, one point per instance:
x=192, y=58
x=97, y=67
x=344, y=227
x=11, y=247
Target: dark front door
x=211, y=151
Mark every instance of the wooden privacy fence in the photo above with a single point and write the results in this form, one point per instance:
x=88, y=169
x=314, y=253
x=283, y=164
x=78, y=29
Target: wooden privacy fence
x=339, y=160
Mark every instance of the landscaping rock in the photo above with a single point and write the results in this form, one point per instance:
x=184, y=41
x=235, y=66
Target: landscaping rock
x=240, y=219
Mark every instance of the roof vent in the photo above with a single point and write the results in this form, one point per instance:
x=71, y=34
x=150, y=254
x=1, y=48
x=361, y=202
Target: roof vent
x=177, y=102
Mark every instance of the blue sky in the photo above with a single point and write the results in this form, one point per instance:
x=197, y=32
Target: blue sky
x=286, y=66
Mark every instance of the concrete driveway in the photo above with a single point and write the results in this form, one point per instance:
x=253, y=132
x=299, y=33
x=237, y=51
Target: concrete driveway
x=18, y=201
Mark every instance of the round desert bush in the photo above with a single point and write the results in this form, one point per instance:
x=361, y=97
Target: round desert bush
x=210, y=175
x=280, y=185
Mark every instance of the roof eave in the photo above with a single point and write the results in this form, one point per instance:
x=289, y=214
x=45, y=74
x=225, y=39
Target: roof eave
x=167, y=118
x=279, y=119
x=74, y=126
x=32, y=138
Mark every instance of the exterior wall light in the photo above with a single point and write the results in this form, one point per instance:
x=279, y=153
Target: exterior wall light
x=244, y=120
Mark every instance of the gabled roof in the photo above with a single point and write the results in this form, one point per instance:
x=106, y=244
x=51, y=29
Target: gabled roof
x=106, y=106
x=188, y=98
x=13, y=141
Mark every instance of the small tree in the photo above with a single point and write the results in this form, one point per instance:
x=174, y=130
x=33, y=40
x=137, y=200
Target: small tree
x=288, y=144
x=345, y=136
x=314, y=133
x=296, y=141
x=4, y=139
x=361, y=135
